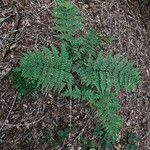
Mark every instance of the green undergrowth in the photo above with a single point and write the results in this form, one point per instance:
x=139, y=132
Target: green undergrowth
x=78, y=69
x=130, y=141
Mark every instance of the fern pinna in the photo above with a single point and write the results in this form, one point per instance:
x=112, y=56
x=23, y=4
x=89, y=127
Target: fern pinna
x=80, y=59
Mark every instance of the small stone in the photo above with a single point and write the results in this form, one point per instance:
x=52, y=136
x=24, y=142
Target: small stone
x=14, y=45
x=128, y=123
x=24, y=105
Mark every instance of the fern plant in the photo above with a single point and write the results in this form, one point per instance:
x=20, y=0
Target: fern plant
x=79, y=70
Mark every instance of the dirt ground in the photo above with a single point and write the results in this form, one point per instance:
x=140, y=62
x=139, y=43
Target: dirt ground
x=27, y=24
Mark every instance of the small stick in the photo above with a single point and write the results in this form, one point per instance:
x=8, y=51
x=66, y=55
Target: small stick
x=22, y=125
x=8, y=113
x=82, y=131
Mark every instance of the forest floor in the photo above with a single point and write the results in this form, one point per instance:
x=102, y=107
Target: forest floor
x=33, y=123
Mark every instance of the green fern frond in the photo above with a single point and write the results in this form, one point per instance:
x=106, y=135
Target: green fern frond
x=49, y=68
x=74, y=93
x=67, y=23
x=39, y=69
x=20, y=83
x=107, y=72
x=91, y=42
x=106, y=106
x=67, y=19
x=106, y=115
x=84, y=94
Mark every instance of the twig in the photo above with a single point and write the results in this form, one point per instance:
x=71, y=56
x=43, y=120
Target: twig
x=82, y=131
x=3, y=20
x=145, y=135
x=70, y=113
x=46, y=7
x=82, y=13
x=3, y=124
x=62, y=147
x=21, y=125
x=70, y=117
x=36, y=41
